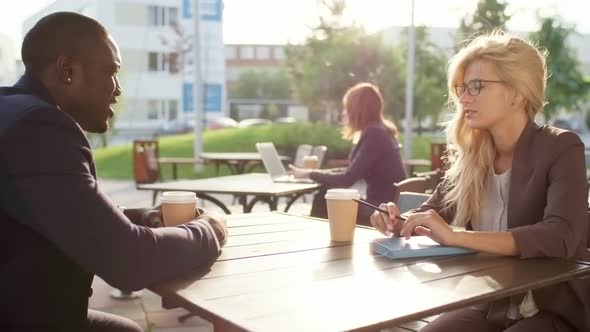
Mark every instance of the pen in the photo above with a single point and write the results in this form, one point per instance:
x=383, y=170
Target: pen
x=377, y=208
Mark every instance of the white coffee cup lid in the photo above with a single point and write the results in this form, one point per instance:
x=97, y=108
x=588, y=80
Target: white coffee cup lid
x=178, y=197
x=343, y=194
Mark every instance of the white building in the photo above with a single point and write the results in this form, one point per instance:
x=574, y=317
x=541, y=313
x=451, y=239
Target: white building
x=152, y=82
x=8, y=62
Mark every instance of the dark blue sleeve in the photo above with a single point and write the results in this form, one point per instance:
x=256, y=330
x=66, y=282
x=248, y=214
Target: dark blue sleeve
x=373, y=143
x=50, y=188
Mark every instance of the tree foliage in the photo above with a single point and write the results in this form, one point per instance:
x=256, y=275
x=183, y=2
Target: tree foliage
x=262, y=85
x=566, y=85
x=429, y=75
x=489, y=15
x=333, y=58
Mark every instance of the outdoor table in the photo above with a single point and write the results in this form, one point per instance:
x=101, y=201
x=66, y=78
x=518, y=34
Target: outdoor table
x=250, y=188
x=235, y=161
x=280, y=272
x=175, y=161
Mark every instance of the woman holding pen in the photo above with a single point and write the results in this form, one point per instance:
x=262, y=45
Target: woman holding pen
x=519, y=188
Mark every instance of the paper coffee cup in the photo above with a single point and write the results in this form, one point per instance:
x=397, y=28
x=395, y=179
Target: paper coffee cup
x=178, y=207
x=310, y=162
x=342, y=212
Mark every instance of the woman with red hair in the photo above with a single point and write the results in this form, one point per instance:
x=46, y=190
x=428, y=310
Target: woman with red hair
x=375, y=157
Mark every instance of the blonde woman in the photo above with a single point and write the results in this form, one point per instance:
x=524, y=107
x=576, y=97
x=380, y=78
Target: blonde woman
x=375, y=157
x=520, y=189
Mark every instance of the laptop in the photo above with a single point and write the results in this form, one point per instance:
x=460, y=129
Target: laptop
x=274, y=166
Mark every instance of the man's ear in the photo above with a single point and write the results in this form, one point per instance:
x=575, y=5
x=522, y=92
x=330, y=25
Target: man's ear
x=64, y=66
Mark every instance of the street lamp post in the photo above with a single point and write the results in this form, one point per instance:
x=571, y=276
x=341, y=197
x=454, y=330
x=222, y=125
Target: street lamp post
x=197, y=85
x=409, y=89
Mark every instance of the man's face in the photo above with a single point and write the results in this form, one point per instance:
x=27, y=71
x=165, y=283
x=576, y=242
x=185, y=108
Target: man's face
x=96, y=87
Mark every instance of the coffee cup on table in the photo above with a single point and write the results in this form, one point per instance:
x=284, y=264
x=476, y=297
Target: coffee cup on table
x=310, y=162
x=178, y=207
x=342, y=210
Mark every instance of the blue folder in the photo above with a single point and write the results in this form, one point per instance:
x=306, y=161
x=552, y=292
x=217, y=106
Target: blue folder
x=416, y=246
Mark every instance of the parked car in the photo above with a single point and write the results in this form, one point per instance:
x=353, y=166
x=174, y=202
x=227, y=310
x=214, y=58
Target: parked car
x=221, y=123
x=286, y=119
x=253, y=122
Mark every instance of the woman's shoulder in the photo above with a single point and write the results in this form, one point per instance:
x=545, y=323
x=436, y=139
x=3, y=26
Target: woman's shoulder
x=376, y=131
x=550, y=136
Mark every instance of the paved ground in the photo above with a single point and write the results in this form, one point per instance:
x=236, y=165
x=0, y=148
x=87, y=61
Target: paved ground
x=147, y=309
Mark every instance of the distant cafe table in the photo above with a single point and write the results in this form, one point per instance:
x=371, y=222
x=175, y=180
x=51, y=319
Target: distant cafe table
x=280, y=272
x=175, y=161
x=411, y=164
x=237, y=162
x=251, y=188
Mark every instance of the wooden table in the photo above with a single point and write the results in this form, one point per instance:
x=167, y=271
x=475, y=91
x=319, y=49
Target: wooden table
x=257, y=185
x=237, y=162
x=280, y=272
x=175, y=161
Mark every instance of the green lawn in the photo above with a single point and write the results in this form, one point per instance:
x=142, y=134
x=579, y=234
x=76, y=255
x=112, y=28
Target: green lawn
x=116, y=163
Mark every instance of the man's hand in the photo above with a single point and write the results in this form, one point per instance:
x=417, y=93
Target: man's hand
x=150, y=217
x=217, y=221
x=153, y=217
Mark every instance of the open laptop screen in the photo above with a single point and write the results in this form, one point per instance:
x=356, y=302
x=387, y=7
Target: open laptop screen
x=270, y=159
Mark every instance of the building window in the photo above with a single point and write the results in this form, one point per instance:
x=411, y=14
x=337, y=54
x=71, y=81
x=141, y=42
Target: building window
x=160, y=16
x=247, y=52
x=173, y=62
x=262, y=53
x=279, y=53
x=172, y=109
x=173, y=15
x=152, y=61
x=163, y=62
x=230, y=52
x=153, y=109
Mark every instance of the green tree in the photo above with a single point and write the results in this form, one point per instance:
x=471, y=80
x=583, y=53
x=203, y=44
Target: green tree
x=566, y=86
x=333, y=58
x=262, y=85
x=489, y=15
x=429, y=76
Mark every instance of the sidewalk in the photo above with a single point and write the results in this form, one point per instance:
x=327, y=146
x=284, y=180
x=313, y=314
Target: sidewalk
x=147, y=310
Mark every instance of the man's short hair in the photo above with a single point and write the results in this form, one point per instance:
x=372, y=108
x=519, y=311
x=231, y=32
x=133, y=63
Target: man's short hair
x=61, y=33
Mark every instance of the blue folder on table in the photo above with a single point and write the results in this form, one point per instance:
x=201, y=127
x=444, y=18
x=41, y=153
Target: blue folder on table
x=416, y=246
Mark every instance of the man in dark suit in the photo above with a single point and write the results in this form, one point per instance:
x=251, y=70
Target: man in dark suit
x=59, y=228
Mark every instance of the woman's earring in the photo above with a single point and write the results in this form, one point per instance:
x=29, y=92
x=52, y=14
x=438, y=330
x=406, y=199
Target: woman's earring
x=68, y=80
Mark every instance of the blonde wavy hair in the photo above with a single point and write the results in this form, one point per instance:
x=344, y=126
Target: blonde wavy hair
x=471, y=152
x=363, y=104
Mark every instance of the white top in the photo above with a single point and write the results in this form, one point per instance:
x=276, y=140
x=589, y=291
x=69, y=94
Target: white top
x=493, y=218
x=494, y=209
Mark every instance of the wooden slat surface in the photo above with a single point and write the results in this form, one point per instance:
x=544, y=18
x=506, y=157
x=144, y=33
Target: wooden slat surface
x=251, y=183
x=281, y=273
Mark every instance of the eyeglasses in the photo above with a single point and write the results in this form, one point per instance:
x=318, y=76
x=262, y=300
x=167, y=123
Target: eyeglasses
x=472, y=87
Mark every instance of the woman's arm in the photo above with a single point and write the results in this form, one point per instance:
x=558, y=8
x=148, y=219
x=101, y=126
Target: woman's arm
x=498, y=243
x=369, y=150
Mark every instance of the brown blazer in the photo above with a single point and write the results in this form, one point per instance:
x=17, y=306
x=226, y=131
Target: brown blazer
x=547, y=212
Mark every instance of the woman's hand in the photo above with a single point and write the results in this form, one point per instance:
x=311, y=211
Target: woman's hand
x=299, y=173
x=387, y=224
x=431, y=224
